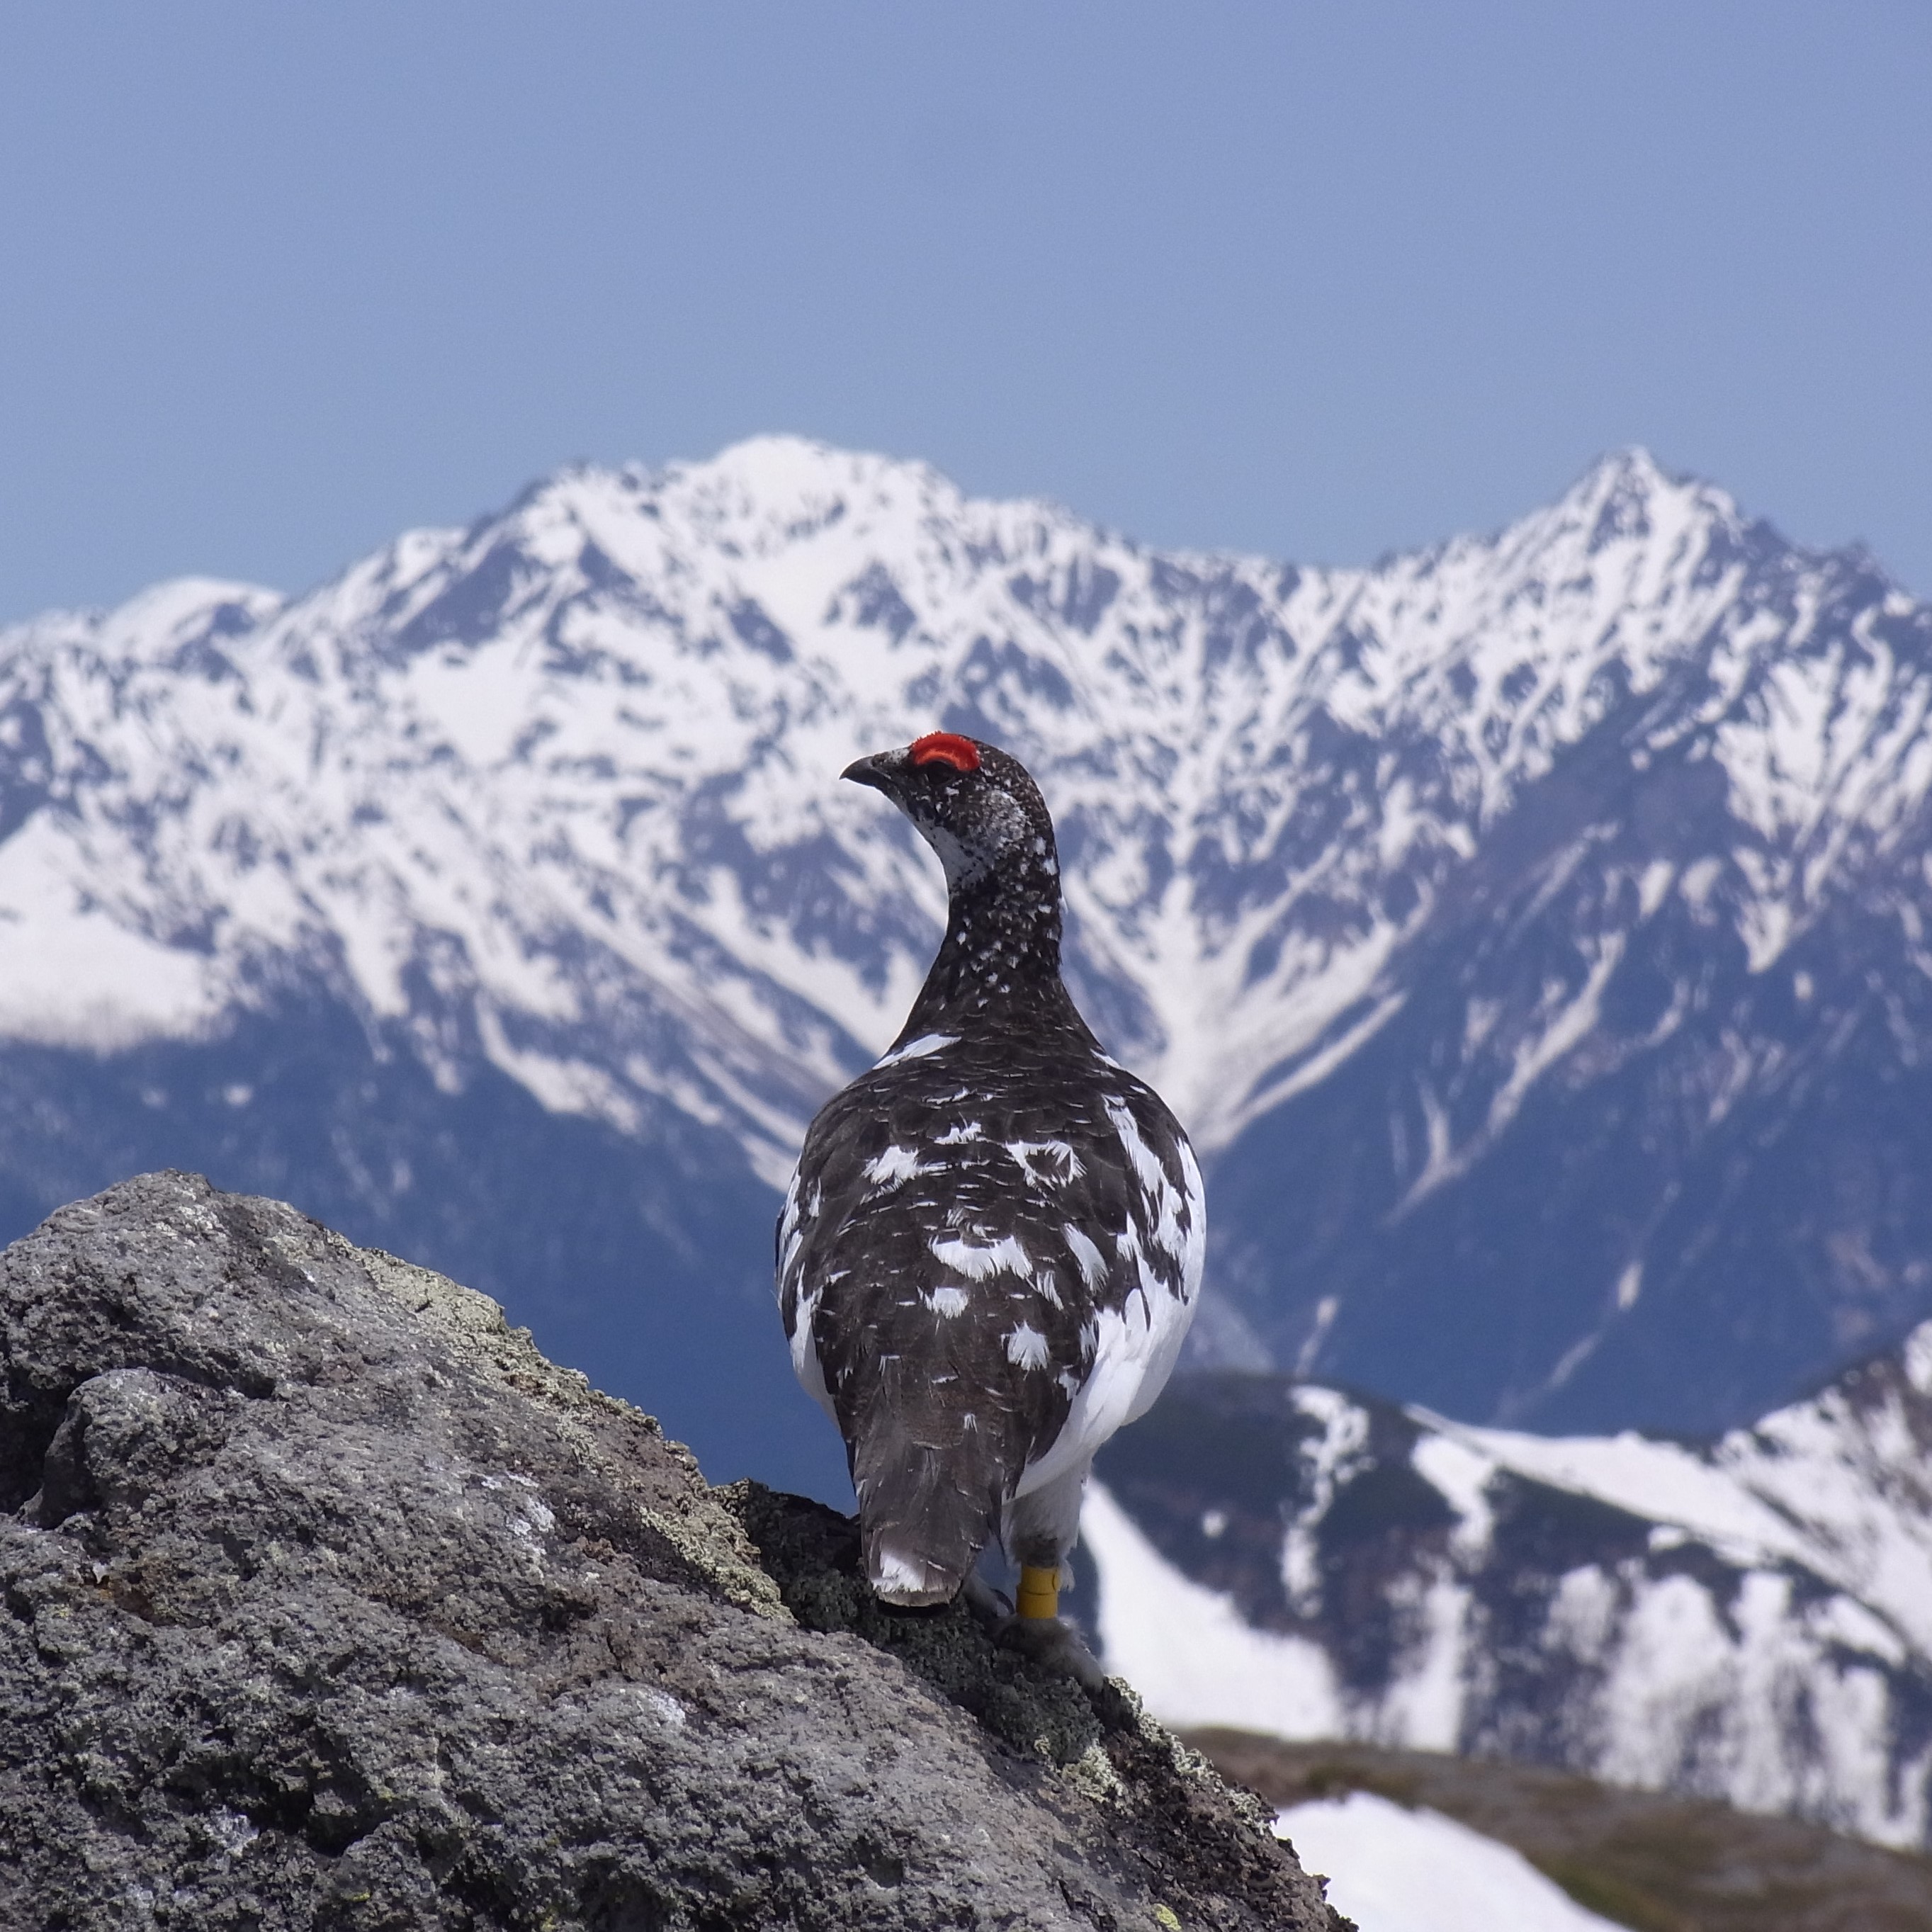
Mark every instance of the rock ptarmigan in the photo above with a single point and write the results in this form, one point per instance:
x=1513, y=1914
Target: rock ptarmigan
x=991, y=1246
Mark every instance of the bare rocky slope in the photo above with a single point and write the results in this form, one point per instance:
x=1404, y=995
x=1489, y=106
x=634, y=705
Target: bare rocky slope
x=330, y=1602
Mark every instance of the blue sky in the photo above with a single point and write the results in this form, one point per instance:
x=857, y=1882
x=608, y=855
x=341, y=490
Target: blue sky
x=1318, y=280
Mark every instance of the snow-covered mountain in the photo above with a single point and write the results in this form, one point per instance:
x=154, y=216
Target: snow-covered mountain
x=1749, y=1619
x=1531, y=931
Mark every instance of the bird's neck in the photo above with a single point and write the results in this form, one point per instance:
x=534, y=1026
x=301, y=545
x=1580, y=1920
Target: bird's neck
x=1000, y=960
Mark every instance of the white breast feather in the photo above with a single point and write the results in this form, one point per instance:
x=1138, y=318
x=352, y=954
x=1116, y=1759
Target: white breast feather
x=1134, y=1348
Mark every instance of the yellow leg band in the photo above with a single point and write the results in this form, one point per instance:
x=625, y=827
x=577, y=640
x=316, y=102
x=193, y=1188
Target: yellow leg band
x=1039, y=1592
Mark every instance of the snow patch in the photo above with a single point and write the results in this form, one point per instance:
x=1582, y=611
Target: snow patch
x=1392, y=1870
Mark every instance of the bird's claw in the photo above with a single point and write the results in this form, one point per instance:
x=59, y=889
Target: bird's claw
x=1054, y=1643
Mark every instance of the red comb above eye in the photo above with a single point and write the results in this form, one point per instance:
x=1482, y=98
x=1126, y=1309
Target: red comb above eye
x=947, y=747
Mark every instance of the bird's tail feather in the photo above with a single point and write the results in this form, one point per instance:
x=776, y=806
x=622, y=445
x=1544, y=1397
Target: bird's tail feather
x=923, y=1519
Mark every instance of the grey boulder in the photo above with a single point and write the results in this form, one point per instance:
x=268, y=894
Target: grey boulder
x=329, y=1602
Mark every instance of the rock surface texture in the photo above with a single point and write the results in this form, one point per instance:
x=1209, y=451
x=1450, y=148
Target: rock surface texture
x=330, y=1602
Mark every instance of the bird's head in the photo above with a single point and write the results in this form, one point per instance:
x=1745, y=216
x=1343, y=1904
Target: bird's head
x=974, y=805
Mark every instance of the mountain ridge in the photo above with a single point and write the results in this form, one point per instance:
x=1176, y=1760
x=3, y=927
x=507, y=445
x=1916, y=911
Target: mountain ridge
x=1748, y=1618
x=1495, y=916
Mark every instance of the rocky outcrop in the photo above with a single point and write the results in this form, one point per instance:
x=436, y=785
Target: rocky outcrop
x=330, y=1602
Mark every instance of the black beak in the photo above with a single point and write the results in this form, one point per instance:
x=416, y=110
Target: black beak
x=876, y=771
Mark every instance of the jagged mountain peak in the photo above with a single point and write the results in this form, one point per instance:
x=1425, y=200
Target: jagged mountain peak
x=1463, y=834
x=831, y=600
x=1628, y=482
x=764, y=498
x=796, y=481
x=152, y=628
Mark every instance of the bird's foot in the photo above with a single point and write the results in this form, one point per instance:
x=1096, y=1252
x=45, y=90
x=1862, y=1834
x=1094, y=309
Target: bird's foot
x=1054, y=1643
x=1049, y=1639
